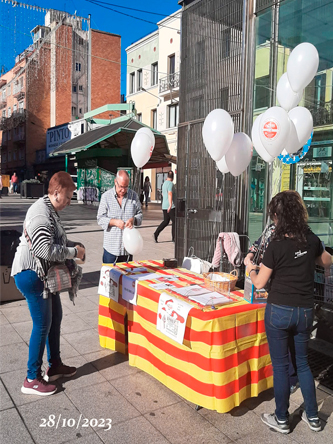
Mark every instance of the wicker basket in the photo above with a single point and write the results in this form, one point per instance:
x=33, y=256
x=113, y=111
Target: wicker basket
x=222, y=285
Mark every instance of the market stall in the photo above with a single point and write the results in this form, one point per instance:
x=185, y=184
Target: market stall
x=223, y=357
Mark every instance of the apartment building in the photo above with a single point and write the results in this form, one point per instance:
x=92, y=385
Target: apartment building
x=153, y=68
x=66, y=72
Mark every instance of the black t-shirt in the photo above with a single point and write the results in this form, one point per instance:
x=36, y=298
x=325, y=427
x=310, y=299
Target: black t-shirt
x=293, y=267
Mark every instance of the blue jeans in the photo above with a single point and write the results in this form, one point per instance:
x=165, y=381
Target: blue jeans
x=46, y=320
x=109, y=258
x=283, y=323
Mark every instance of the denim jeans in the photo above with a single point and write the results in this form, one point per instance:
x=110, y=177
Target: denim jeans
x=282, y=323
x=46, y=320
x=109, y=258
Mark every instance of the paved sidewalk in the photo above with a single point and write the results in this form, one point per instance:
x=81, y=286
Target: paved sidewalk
x=142, y=410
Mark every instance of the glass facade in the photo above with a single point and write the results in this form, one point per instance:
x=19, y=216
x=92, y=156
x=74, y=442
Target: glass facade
x=294, y=22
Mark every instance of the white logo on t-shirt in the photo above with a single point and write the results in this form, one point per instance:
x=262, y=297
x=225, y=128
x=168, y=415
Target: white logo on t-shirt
x=299, y=254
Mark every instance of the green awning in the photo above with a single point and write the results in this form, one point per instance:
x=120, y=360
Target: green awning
x=116, y=135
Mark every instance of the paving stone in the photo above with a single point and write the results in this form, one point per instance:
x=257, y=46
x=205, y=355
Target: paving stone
x=63, y=410
x=86, y=375
x=5, y=401
x=24, y=329
x=136, y=431
x=71, y=323
x=17, y=313
x=107, y=403
x=181, y=424
x=3, y=319
x=13, y=357
x=8, y=335
x=90, y=317
x=13, y=430
x=145, y=392
x=111, y=364
x=86, y=341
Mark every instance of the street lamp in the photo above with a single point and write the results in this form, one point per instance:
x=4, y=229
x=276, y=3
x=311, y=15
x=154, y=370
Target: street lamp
x=144, y=89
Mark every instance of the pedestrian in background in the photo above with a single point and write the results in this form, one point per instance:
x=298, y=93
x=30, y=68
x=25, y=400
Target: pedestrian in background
x=44, y=243
x=168, y=206
x=14, y=181
x=146, y=189
x=119, y=208
x=289, y=261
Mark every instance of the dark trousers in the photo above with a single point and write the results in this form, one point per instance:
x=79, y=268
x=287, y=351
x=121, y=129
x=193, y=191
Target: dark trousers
x=166, y=220
x=109, y=258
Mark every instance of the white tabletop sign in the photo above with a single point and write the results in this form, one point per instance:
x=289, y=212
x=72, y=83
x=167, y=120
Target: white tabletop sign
x=109, y=283
x=171, y=317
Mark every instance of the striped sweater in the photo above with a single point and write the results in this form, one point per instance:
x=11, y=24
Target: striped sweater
x=48, y=239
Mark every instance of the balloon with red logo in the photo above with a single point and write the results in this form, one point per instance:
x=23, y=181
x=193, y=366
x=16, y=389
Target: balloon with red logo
x=259, y=147
x=274, y=130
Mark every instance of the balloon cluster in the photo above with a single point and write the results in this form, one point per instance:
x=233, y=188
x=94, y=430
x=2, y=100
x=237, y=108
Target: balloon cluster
x=231, y=152
x=280, y=129
x=142, y=146
x=288, y=127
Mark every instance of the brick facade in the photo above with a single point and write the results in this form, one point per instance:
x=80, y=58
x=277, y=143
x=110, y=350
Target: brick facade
x=49, y=99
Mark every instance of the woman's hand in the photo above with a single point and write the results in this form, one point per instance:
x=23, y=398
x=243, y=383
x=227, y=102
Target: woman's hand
x=248, y=259
x=130, y=223
x=250, y=267
x=81, y=252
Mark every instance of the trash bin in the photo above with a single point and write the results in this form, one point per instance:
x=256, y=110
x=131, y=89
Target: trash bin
x=9, y=242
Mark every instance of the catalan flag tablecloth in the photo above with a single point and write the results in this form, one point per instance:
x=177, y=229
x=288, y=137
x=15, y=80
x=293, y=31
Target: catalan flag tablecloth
x=223, y=360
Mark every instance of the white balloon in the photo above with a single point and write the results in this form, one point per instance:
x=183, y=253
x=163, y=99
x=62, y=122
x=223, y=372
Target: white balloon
x=302, y=119
x=148, y=131
x=293, y=144
x=274, y=130
x=132, y=241
x=261, y=150
x=287, y=98
x=141, y=149
x=239, y=154
x=302, y=66
x=222, y=166
x=217, y=133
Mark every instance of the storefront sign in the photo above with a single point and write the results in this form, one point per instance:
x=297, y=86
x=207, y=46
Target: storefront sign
x=322, y=151
x=56, y=136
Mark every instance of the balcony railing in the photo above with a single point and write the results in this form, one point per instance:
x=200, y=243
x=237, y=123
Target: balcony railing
x=18, y=117
x=169, y=82
x=3, y=103
x=322, y=113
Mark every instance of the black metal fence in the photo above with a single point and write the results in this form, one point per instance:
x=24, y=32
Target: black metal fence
x=213, y=75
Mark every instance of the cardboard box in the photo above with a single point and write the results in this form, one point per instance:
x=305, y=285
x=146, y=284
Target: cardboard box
x=252, y=294
x=8, y=290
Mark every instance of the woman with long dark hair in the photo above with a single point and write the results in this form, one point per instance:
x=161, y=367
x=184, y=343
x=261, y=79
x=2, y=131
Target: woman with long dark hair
x=289, y=262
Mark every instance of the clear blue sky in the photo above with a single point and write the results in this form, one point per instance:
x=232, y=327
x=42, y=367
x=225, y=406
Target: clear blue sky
x=16, y=23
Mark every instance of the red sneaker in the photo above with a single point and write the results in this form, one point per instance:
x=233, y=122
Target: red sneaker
x=38, y=386
x=61, y=370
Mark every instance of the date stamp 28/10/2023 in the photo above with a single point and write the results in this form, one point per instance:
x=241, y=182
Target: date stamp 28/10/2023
x=60, y=422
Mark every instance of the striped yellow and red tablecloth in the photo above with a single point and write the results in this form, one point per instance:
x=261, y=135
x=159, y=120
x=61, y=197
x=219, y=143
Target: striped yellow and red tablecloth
x=223, y=360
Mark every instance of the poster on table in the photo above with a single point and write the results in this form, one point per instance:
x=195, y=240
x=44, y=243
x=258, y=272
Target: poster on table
x=171, y=317
x=109, y=283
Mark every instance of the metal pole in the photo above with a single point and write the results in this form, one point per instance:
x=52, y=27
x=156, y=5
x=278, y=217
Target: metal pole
x=274, y=46
x=89, y=63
